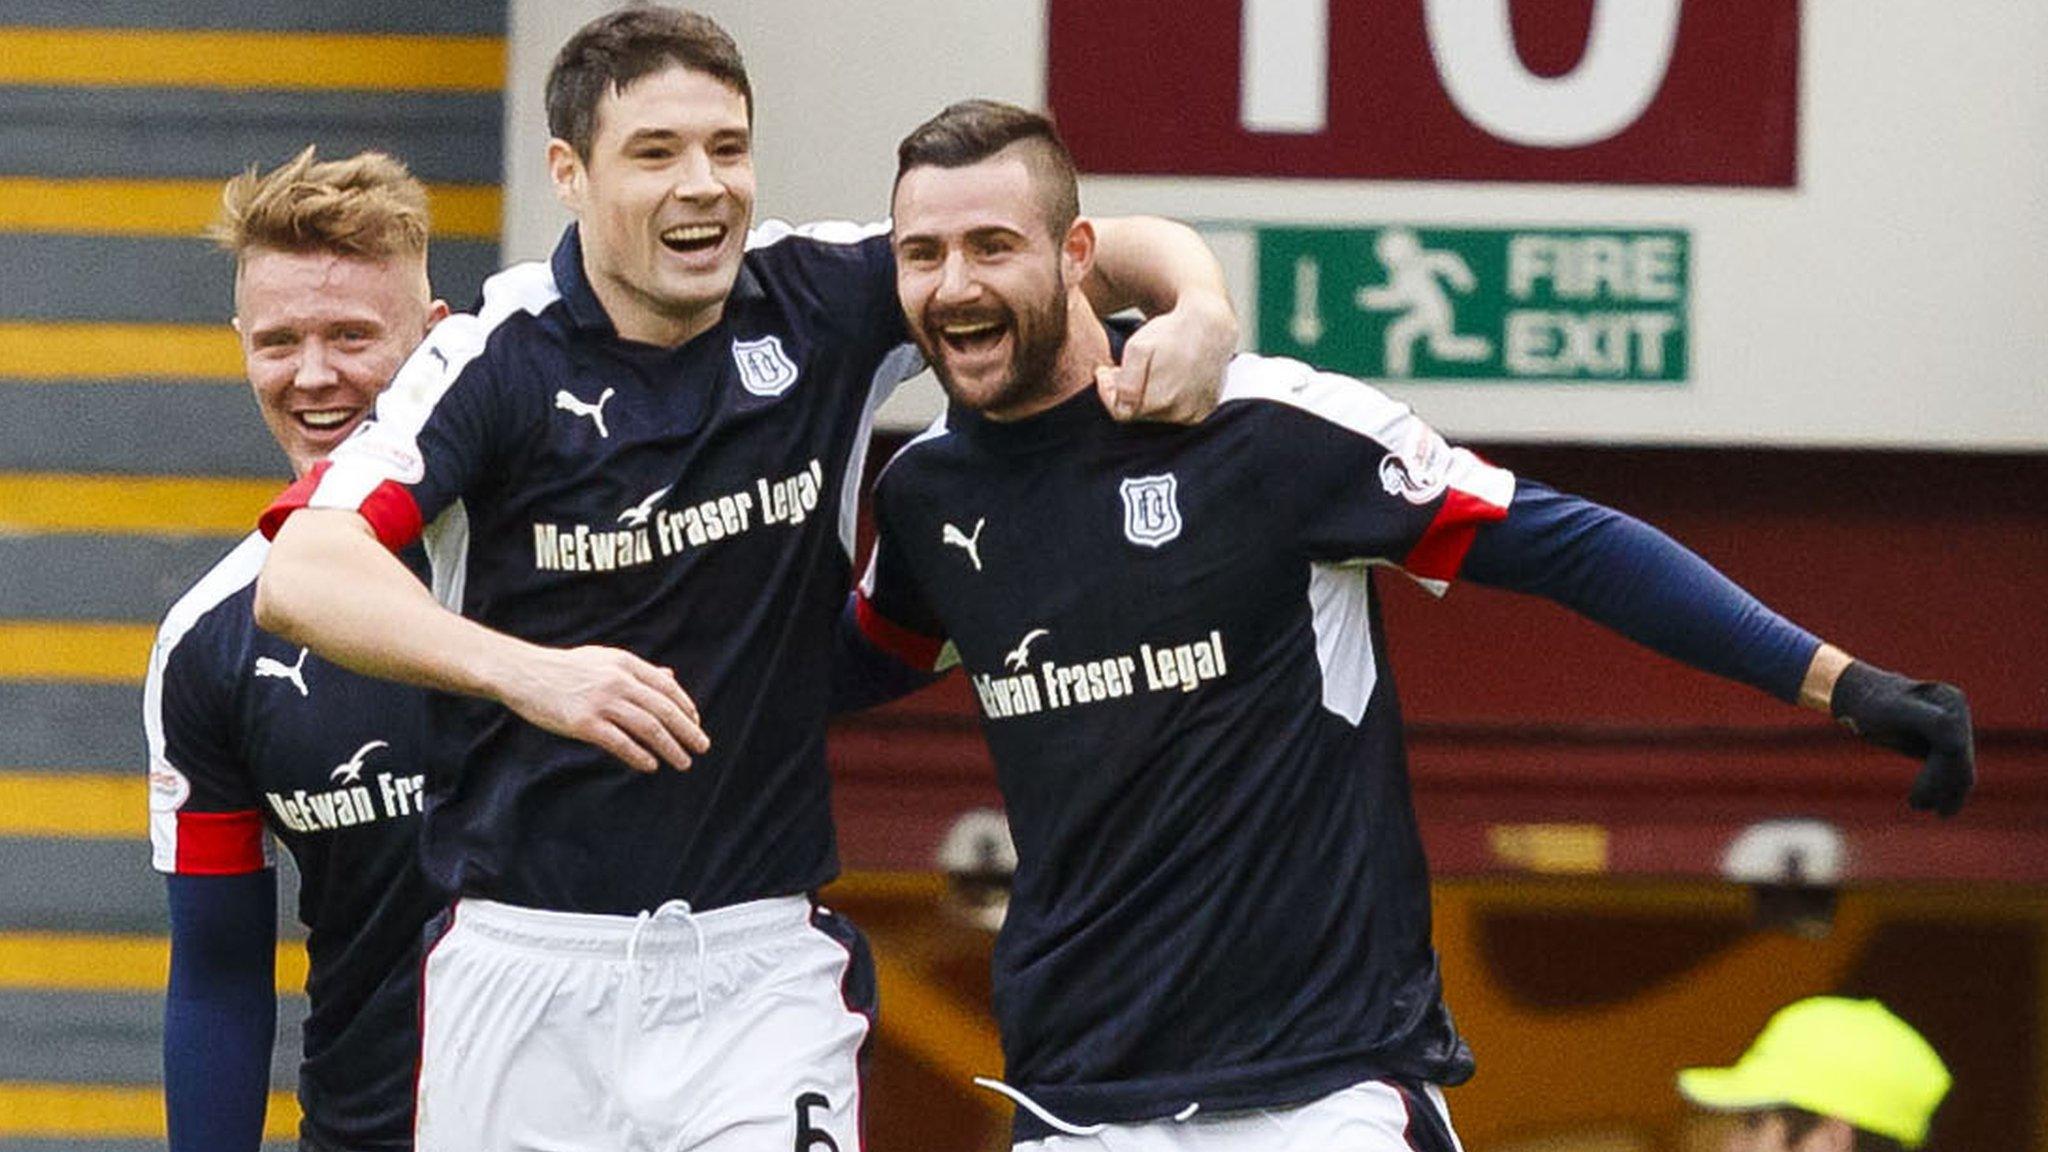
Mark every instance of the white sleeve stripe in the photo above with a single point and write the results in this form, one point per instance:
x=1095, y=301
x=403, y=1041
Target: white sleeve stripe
x=346, y=490
x=1470, y=474
x=1346, y=402
x=235, y=572
x=387, y=448
x=1358, y=407
x=770, y=232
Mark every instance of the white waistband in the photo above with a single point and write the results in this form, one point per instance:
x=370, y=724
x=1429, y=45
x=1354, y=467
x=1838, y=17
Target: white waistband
x=597, y=935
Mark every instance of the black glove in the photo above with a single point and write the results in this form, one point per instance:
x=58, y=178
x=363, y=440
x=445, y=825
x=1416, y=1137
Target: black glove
x=1924, y=719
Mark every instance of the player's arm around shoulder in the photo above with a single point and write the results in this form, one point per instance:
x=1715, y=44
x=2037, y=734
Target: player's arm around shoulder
x=330, y=585
x=1173, y=365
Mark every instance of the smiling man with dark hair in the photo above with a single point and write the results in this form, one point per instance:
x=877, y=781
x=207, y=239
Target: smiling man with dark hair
x=636, y=470
x=1219, y=933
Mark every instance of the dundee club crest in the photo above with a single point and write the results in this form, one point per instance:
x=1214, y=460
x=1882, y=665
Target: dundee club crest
x=765, y=369
x=1151, y=510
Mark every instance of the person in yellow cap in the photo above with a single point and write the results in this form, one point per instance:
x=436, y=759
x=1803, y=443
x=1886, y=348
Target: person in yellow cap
x=1827, y=1074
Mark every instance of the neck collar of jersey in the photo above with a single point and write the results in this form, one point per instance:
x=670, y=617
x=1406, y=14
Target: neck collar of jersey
x=1078, y=417
x=587, y=312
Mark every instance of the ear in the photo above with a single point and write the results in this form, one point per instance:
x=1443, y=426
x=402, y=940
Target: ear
x=1077, y=252
x=565, y=169
x=436, y=312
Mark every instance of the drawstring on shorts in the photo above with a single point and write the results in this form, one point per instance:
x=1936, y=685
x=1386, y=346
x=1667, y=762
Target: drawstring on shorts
x=681, y=911
x=634, y=990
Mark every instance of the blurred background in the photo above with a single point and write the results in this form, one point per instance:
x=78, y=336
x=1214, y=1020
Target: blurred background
x=1766, y=273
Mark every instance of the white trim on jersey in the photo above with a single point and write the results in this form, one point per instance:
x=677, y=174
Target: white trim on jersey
x=447, y=544
x=1340, y=608
x=1356, y=406
x=387, y=448
x=932, y=431
x=903, y=362
x=899, y=365
x=769, y=232
x=1340, y=595
x=235, y=571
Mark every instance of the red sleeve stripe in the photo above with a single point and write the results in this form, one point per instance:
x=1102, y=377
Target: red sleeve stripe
x=912, y=648
x=290, y=500
x=220, y=843
x=1441, y=551
x=392, y=512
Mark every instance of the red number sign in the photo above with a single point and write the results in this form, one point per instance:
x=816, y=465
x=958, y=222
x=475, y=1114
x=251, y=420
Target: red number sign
x=1578, y=91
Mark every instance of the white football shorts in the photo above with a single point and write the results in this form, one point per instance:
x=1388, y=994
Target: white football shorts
x=733, y=1030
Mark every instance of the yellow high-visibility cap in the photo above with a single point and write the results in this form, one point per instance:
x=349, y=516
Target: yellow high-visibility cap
x=1849, y=1059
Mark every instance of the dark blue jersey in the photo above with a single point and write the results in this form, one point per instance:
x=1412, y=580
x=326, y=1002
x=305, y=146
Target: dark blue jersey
x=252, y=738
x=694, y=506
x=1220, y=897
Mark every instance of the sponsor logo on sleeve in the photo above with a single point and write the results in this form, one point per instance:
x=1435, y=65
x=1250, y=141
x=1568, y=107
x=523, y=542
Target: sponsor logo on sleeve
x=1419, y=471
x=391, y=453
x=168, y=787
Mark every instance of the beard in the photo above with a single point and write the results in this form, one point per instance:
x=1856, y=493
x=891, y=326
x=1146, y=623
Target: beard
x=1038, y=335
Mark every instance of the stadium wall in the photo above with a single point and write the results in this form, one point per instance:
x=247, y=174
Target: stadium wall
x=1859, y=223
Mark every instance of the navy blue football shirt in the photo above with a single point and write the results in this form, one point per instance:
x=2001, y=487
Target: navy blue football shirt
x=1171, y=633
x=252, y=738
x=694, y=506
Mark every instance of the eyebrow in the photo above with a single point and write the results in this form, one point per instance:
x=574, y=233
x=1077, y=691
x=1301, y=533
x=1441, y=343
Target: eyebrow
x=659, y=135
x=983, y=232
x=651, y=136
x=293, y=328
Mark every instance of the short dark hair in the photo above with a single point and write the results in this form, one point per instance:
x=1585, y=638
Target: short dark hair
x=974, y=130
x=611, y=52
x=1798, y=1122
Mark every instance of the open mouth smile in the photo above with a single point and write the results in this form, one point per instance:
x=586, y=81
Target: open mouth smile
x=688, y=238
x=970, y=338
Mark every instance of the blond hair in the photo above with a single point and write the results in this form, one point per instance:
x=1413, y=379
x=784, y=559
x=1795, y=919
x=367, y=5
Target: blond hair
x=368, y=205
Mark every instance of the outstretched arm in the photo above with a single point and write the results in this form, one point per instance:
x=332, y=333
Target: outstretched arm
x=384, y=623
x=220, y=1010
x=1172, y=368
x=1623, y=573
